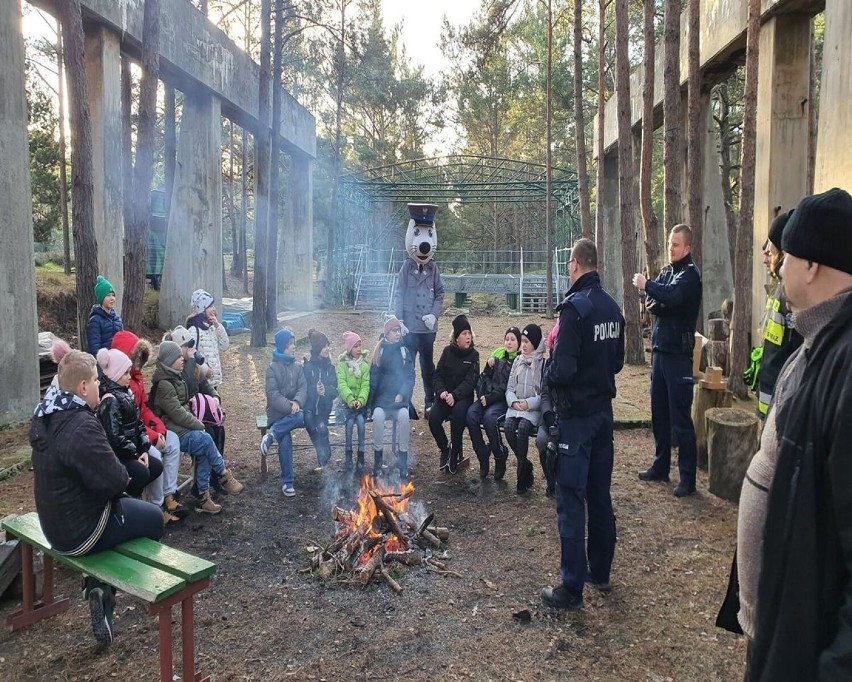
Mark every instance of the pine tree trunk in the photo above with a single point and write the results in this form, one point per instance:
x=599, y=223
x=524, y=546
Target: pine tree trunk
x=82, y=164
x=813, y=113
x=548, y=218
x=63, y=157
x=274, y=172
x=580, y=126
x=126, y=139
x=741, y=327
x=136, y=232
x=695, y=137
x=634, y=353
x=261, y=218
x=331, y=268
x=672, y=149
x=724, y=126
x=649, y=219
x=600, y=236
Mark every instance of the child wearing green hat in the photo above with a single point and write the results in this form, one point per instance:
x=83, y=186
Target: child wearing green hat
x=104, y=320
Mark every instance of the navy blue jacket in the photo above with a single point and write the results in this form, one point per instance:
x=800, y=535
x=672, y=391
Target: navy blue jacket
x=320, y=369
x=589, y=350
x=392, y=376
x=674, y=299
x=102, y=326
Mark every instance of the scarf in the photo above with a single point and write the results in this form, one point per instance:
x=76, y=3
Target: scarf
x=354, y=366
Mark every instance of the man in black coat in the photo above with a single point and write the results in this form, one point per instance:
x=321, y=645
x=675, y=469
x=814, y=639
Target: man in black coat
x=588, y=353
x=674, y=299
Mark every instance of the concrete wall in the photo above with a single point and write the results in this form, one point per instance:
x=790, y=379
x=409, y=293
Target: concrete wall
x=834, y=158
x=19, y=336
x=610, y=224
x=196, y=56
x=296, y=246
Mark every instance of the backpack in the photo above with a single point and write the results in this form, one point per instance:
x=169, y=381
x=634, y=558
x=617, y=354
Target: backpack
x=207, y=410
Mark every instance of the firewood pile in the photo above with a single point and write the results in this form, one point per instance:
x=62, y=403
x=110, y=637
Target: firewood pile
x=382, y=533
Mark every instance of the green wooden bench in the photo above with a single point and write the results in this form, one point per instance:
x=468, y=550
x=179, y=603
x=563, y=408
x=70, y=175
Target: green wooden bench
x=153, y=572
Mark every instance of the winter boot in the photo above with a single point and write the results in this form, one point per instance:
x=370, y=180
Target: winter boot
x=347, y=461
x=229, y=483
x=175, y=508
x=484, y=466
x=217, y=485
x=445, y=459
x=359, y=465
x=402, y=465
x=168, y=518
x=206, y=505
x=377, y=463
x=500, y=465
x=550, y=490
x=525, y=475
x=101, y=605
x=455, y=456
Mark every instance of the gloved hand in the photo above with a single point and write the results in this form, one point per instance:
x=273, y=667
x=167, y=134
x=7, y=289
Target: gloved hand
x=549, y=419
x=403, y=328
x=429, y=320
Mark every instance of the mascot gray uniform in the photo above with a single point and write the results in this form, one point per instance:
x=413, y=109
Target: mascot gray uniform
x=420, y=292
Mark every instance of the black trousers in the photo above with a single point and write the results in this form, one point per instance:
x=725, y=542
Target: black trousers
x=458, y=420
x=141, y=475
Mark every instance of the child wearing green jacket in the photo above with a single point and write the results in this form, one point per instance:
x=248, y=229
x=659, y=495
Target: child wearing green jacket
x=353, y=386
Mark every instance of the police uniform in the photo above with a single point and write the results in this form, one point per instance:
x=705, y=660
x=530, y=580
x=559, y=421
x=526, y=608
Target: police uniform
x=588, y=353
x=779, y=342
x=674, y=299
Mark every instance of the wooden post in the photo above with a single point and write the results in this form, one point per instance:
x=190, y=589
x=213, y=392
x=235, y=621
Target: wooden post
x=707, y=396
x=731, y=443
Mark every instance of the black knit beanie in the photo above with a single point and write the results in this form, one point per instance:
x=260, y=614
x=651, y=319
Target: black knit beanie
x=776, y=230
x=515, y=332
x=820, y=230
x=460, y=324
x=533, y=333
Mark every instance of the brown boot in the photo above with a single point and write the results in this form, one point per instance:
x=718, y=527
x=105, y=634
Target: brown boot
x=206, y=505
x=168, y=517
x=229, y=483
x=175, y=508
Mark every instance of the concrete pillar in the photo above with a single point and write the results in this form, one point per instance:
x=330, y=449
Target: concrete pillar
x=781, y=171
x=716, y=268
x=194, y=242
x=19, y=349
x=833, y=162
x=103, y=76
x=611, y=224
x=295, y=257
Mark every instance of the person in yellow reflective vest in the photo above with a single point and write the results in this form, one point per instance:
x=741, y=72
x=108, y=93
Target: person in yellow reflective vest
x=780, y=339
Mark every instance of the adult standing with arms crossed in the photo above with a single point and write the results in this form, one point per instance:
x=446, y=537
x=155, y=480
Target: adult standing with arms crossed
x=588, y=353
x=674, y=299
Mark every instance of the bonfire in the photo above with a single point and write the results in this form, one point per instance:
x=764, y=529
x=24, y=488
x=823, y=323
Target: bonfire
x=383, y=531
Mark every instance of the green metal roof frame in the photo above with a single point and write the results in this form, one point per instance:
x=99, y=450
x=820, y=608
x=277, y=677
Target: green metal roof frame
x=464, y=178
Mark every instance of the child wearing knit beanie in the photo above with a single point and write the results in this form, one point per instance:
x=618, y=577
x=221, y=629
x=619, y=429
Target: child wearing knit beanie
x=321, y=380
x=104, y=320
x=353, y=386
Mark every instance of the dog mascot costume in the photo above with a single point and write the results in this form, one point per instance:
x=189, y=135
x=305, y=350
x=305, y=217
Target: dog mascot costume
x=420, y=292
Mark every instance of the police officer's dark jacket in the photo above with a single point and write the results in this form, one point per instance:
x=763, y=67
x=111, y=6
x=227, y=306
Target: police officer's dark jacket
x=589, y=349
x=674, y=299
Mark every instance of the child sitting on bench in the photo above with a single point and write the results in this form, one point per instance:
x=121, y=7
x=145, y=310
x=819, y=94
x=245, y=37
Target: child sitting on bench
x=79, y=482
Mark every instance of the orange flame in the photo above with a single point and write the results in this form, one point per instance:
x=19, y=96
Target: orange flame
x=366, y=515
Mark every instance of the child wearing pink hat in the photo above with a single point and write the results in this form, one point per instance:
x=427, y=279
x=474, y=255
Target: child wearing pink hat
x=353, y=386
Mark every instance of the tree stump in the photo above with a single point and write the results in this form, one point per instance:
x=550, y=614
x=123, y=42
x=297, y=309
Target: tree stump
x=717, y=355
x=717, y=330
x=731, y=443
x=706, y=398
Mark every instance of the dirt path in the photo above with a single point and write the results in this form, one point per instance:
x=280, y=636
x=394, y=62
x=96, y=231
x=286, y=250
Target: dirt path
x=264, y=619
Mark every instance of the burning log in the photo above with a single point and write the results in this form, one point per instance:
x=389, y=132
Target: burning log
x=379, y=533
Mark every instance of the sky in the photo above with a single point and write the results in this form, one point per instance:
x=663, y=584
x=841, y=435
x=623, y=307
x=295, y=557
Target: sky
x=421, y=26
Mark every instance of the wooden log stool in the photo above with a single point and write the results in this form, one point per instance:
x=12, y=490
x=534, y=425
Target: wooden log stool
x=716, y=349
x=731, y=443
x=712, y=391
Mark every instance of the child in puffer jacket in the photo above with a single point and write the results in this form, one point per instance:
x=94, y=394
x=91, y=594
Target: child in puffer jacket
x=490, y=405
x=321, y=380
x=353, y=386
x=523, y=396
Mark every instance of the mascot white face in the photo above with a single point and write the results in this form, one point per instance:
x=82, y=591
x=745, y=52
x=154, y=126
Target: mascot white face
x=421, y=237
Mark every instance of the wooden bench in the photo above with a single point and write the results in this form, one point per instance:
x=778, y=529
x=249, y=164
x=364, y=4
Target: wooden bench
x=153, y=572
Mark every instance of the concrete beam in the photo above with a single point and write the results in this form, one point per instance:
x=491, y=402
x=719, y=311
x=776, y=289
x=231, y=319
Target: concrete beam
x=610, y=223
x=781, y=164
x=19, y=347
x=103, y=76
x=195, y=57
x=296, y=247
x=723, y=28
x=833, y=162
x=194, y=242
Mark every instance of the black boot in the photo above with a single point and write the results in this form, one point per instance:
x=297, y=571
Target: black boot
x=402, y=465
x=550, y=491
x=377, y=463
x=500, y=465
x=359, y=465
x=455, y=456
x=484, y=465
x=445, y=459
x=525, y=475
x=347, y=460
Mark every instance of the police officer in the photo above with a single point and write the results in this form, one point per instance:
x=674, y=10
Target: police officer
x=674, y=299
x=780, y=339
x=588, y=353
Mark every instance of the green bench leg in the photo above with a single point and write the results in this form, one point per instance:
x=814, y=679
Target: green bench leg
x=163, y=610
x=32, y=612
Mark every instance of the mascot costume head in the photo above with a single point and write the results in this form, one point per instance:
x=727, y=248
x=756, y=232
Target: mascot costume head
x=421, y=237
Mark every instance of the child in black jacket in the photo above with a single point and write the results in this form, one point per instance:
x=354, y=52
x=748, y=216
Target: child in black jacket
x=321, y=379
x=120, y=418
